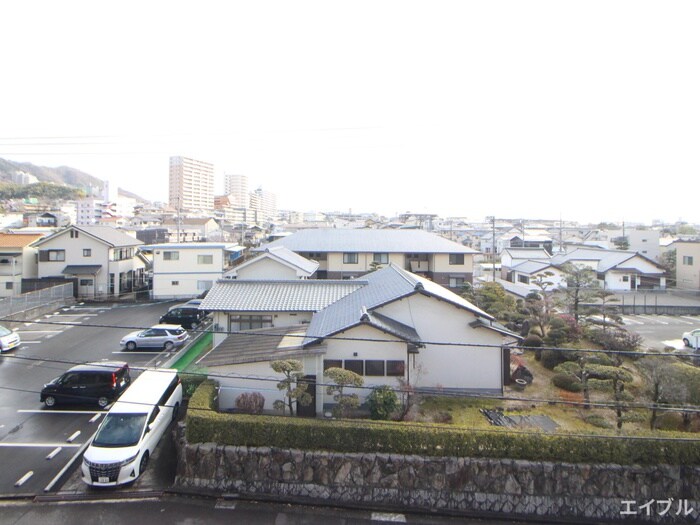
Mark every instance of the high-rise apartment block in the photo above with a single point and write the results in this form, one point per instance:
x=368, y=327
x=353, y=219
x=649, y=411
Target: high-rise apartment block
x=237, y=186
x=265, y=203
x=191, y=184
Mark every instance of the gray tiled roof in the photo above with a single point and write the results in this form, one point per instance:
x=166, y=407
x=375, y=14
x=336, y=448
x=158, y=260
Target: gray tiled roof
x=531, y=267
x=391, y=326
x=383, y=286
x=255, y=346
x=284, y=255
x=106, y=234
x=277, y=296
x=81, y=269
x=336, y=240
x=606, y=259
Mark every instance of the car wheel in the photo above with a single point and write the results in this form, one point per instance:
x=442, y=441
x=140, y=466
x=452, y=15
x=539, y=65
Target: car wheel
x=686, y=342
x=168, y=345
x=176, y=411
x=50, y=401
x=102, y=402
x=131, y=345
x=144, y=462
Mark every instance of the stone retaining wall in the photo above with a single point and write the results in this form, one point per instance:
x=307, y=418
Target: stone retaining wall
x=468, y=486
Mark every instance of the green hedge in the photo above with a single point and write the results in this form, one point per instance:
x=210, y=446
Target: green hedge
x=204, y=425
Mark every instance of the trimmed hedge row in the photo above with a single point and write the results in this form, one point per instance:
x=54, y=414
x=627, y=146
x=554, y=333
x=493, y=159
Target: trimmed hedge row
x=205, y=425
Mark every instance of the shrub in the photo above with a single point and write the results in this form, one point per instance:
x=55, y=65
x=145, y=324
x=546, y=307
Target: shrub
x=567, y=382
x=205, y=425
x=597, y=421
x=601, y=385
x=618, y=340
x=250, y=402
x=190, y=383
x=551, y=358
x=382, y=402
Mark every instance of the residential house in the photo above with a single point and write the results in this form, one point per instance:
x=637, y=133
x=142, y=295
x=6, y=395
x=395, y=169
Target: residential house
x=616, y=270
x=186, y=270
x=351, y=253
x=687, y=265
x=102, y=260
x=391, y=326
x=274, y=263
x=18, y=260
x=200, y=229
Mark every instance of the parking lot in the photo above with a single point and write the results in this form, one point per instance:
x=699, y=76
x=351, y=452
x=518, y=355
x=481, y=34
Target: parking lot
x=661, y=331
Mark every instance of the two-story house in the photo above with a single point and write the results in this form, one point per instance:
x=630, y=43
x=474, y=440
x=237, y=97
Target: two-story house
x=350, y=253
x=186, y=270
x=17, y=261
x=102, y=260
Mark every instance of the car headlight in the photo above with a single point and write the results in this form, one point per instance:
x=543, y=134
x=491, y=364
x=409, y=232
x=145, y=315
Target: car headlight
x=128, y=460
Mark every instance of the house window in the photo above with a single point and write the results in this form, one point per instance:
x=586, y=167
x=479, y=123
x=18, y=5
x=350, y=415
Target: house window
x=355, y=365
x=456, y=258
x=171, y=256
x=57, y=255
x=174, y=283
x=625, y=278
x=204, y=285
x=205, y=259
x=395, y=368
x=332, y=363
x=86, y=282
x=688, y=260
x=87, y=252
x=374, y=368
x=350, y=258
x=250, y=322
x=381, y=258
x=456, y=282
x=9, y=286
x=523, y=279
x=74, y=234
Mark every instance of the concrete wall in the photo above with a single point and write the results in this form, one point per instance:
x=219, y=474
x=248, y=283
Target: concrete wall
x=537, y=491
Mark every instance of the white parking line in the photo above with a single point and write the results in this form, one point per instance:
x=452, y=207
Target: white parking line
x=137, y=352
x=653, y=319
x=632, y=321
x=73, y=437
x=696, y=319
x=55, y=412
x=75, y=315
x=39, y=331
x=54, y=453
x=21, y=481
x=388, y=516
x=683, y=322
x=37, y=445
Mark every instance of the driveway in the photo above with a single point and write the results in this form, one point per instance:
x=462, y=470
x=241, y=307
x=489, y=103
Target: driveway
x=662, y=331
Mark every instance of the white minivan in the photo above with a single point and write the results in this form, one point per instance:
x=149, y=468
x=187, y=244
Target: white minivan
x=132, y=428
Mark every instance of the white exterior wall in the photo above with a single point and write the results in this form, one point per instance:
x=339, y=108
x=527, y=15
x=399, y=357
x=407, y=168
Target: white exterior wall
x=186, y=271
x=687, y=275
x=365, y=350
x=100, y=255
x=460, y=367
x=441, y=264
x=266, y=268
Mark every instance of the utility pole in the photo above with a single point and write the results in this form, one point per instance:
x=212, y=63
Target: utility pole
x=492, y=218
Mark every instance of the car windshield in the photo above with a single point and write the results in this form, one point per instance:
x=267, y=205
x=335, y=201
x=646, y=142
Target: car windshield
x=120, y=430
x=4, y=331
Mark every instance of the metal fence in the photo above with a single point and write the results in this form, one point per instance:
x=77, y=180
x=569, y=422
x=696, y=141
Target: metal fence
x=26, y=301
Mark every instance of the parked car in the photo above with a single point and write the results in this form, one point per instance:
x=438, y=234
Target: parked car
x=8, y=339
x=692, y=338
x=166, y=336
x=186, y=315
x=92, y=383
x=125, y=439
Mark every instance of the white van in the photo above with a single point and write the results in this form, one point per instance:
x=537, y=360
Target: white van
x=132, y=428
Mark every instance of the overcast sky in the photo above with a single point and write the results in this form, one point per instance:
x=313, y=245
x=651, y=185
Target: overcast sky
x=586, y=110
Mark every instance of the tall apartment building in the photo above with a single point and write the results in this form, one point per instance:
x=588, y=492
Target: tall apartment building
x=191, y=184
x=265, y=203
x=237, y=186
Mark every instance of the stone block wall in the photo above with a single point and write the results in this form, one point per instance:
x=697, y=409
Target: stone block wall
x=468, y=486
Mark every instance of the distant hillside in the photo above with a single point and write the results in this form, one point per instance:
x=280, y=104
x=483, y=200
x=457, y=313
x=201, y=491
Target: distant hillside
x=62, y=175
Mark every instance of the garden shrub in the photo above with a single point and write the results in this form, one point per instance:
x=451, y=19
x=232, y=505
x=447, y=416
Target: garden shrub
x=601, y=385
x=190, y=382
x=205, y=425
x=551, y=358
x=382, y=402
x=597, y=421
x=567, y=382
x=250, y=402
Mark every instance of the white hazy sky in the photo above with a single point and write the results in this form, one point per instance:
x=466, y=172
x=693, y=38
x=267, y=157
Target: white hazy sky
x=588, y=110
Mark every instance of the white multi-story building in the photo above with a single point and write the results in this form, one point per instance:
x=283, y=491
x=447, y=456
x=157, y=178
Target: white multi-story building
x=236, y=186
x=265, y=203
x=191, y=184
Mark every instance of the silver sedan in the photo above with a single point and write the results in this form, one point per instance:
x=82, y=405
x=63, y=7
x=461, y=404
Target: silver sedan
x=166, y=336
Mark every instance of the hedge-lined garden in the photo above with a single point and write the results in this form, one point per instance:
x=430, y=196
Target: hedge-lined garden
x=205, y=424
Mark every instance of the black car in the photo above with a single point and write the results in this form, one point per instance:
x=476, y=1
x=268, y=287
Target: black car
x=186, y=315
x=92, y=383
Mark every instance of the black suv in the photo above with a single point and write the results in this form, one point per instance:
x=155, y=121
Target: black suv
x=186, y=315
x=92, y=383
